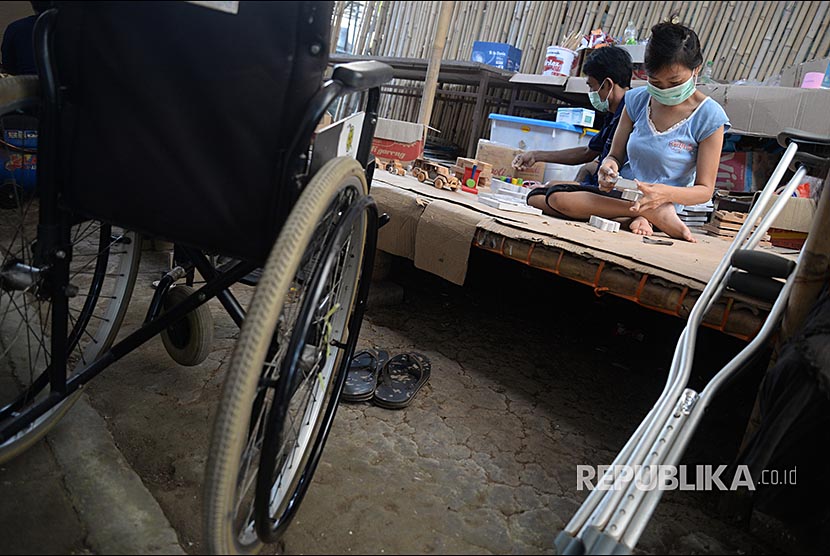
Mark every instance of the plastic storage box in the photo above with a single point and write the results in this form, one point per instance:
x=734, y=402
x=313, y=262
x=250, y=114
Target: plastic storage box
x=540, y=135
x=497, y=54
x=19, y=165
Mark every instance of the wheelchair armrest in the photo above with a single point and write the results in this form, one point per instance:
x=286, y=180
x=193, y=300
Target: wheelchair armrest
x=361, y=76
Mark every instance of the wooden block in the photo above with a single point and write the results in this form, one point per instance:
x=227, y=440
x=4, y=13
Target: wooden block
x=731, y=216
x=727, y=226
x=484, y=168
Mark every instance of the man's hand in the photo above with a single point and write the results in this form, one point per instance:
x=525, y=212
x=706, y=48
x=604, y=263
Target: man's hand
x=608, y=174
x=523, y=161
x=589, y=169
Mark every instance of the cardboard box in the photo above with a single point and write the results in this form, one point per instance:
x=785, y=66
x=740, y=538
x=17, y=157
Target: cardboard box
x=797, y=215
x=735, y=171
x=765, y=111
x=501, y=158
x=397, y=140
x=794, y=75
x=576, y=116
x=497, y=54
x=636, y=51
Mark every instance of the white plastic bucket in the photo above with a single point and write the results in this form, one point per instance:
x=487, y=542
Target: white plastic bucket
x=559, y=61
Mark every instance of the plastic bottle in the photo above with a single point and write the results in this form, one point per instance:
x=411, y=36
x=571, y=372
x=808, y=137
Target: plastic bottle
x=706, y=76
x=630, y=33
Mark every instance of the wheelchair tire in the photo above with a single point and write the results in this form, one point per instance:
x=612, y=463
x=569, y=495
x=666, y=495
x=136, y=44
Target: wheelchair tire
x=189, y=340
x=104, y=265
x=290, y=323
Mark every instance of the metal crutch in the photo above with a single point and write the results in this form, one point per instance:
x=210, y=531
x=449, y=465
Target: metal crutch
x=611, y=521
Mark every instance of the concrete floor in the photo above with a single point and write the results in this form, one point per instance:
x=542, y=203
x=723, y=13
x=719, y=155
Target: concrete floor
x=531, y=376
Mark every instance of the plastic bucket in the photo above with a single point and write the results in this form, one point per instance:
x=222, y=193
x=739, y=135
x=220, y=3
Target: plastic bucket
x=559, y=61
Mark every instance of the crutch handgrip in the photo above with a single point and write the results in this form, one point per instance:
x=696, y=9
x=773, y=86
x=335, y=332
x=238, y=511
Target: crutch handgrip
x=760, y=287
x=763, y=264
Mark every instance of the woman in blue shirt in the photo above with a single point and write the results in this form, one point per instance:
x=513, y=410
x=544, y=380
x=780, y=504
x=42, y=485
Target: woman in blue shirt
x=671, y=135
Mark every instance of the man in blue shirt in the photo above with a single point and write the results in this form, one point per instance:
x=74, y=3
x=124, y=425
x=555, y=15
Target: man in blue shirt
x=18, y=46
x=609, y=72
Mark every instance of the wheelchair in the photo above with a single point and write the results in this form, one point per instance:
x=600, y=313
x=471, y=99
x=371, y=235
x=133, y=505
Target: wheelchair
x=195, y=125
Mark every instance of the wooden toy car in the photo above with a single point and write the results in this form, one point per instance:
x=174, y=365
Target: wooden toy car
x=395, y=167
x=438, y=175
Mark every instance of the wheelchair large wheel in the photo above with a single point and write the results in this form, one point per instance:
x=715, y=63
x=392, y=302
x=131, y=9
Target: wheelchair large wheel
x=288, y=367
x=104, y=264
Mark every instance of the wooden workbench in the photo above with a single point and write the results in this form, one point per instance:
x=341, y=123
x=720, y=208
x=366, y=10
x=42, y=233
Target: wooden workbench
x=437, y=229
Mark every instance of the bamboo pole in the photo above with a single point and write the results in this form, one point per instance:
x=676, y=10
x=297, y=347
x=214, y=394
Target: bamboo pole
x=770, y=31
x=780, y=60
x=700, y=8
x=742, y=30
x=721, y=28
x=745, y=67
x=775, y=45
x=376, y=28
x=709, y=23
x=431, y=80
x=368, y=10
x=335, y=30
x=815, y=20
x=825, y=44
x=611, y=10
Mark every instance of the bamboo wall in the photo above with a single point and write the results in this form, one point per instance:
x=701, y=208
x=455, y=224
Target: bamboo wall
x=746, y=40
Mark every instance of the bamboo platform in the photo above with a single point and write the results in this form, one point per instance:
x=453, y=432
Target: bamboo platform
x=438, y=228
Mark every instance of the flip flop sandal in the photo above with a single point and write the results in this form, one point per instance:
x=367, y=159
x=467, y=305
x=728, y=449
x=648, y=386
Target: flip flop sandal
x=362, y=376
x=399, y=381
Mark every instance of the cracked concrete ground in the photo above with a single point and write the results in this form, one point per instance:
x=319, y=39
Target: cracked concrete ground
x=531, y=376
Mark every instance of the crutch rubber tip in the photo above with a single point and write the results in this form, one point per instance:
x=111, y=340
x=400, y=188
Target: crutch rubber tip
x=566, y=544
x=606, y=544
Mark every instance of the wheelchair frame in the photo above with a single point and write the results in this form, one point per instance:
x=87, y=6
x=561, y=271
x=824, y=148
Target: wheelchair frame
x=53, y=244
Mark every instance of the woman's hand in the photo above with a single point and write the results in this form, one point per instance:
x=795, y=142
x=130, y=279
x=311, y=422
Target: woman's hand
x=608, y=174
x=654, y=195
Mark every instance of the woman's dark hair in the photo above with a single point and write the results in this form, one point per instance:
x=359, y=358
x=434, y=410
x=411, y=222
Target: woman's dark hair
x=670, y=44
x=609, y=62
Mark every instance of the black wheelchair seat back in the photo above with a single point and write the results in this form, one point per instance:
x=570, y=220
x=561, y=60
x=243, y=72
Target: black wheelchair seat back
x=175, y=117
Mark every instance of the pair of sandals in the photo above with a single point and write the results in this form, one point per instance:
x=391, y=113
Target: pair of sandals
x=388, y=383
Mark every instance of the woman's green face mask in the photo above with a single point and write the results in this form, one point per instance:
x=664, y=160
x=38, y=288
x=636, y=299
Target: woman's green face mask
x=673, y=95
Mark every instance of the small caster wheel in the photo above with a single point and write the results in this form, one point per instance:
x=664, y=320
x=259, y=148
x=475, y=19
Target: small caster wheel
x=189, y=340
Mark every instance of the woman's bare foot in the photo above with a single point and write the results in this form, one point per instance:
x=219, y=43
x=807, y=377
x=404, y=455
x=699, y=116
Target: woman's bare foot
x=665, y=218
x=640, y=226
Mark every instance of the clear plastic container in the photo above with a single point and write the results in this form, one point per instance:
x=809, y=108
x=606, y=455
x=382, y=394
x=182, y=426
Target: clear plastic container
x=630, y=34
x=706, y=75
